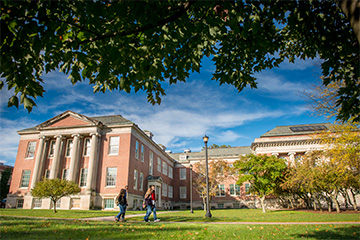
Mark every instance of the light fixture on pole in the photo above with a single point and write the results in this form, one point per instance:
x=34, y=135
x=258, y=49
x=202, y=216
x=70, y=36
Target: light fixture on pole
x=191, y=187
x=208, y=213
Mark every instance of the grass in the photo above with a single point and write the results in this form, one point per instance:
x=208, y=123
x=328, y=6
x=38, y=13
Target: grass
x=24, y=226
x=60, y=213
x=15, y=228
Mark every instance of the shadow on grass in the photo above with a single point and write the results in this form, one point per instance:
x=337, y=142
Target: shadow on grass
x=348, y=233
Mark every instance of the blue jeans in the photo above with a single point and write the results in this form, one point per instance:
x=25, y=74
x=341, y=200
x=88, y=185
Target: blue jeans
x=122, y=212
x=150, y=208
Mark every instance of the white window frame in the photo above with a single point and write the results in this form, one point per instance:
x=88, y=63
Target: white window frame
x=69, y=146
x=47, y=174
x=171, y=171
x=114, y=143
x=182, y=191
x=151, y=163
x=234, y=186
x=83, y=177
x=87, y=146
x=164, y=168
x=220, y=190
x=182, y=173
x=164, y=189
x=30, y=151
x=19, y=203
x=111, y=173
x=159, y=164
x=247, y=186
x=142, y=153
x=37, y=203
x=135, y=179
x=65, y=174
x=141, y=181
x=137, y=149
x=25, y=179
x=109, y=203
x=52, y=149
x=171, y=192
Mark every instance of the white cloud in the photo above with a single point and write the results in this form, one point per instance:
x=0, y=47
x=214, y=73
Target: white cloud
x=300, y=64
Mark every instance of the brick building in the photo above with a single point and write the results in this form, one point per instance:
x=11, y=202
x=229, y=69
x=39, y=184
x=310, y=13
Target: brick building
x=103, y=154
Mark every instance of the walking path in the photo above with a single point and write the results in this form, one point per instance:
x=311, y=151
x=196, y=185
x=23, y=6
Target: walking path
x=111, y=218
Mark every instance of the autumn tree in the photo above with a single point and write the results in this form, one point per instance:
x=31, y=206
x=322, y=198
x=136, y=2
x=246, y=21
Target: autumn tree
x=54, y=189
x=132, y=46
x=263, y=172
x=219, y=171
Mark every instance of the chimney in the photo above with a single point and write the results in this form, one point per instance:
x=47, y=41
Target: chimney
x=187, y=150
x=149, y=134
x=162, y=147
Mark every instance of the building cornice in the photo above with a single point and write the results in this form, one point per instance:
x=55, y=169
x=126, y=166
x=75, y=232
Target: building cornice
x=285, y=143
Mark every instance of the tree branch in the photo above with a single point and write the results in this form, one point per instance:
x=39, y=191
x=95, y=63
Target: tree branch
x=161, y=22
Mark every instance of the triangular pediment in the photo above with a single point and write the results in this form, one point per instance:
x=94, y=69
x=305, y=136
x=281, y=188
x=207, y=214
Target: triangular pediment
x=68, y=119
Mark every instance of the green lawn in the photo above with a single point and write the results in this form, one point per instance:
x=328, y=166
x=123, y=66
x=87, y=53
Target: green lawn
x=25, y=226
x=15, y=228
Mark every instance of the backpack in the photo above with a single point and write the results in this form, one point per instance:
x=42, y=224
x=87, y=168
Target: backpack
x=117, y=200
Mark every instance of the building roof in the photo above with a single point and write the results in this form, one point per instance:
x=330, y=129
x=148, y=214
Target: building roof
x=214, y=152
x=292, y=130
x=104, y=120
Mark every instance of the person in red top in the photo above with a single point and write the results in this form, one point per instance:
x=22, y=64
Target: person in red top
x=150, y=202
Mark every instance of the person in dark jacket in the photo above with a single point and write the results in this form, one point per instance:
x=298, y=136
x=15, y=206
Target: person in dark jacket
x=122, y=203
x=150, y=203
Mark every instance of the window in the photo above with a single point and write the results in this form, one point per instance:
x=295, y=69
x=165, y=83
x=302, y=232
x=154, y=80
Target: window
x=137, y=150
x=20, y=203
x=75, y=203
x=164, y=189
x=31, y=150
x=135, y=179
x=151, y=163
x=135, y=203
x=65, y=174
x=159, y=164
x=182, y=192
x=220, y=205
x=47, y=174
x=83, y=177
x=247, y=188
x=234, y=190
x=87, y=146
x=58, y=203
x=114, y=145
x=108, y=203
x=52, y=148
x=220, y=190
x=170, y=172
x=141, y=179
x=142, y=153
x=182, y=173
x=37, y=202
x=111, y=177
x=171, y=192
x=164, y=168
x=69, y=147
x=25, y=178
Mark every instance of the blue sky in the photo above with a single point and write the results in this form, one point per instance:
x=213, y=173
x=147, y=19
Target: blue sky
x=187, y=112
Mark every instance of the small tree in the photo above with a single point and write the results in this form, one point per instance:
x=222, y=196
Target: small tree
x=218, y=172
x=263, y=172
x=4, y=183
x=54, y=189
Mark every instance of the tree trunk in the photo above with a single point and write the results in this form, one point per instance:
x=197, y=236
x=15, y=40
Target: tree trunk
x=354, y=199
x=262, y=200
x=334, y=198
x=351, y=8
x=54, y=203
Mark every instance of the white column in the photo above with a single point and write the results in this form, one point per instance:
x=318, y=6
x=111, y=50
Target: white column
x=38, y=162
x=57, y=155
x=292, y=157
x=74, y=157
x=92, y=161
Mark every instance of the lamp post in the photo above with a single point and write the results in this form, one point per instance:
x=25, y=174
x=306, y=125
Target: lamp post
x=208, y=213
x=191, y=183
